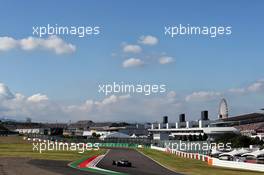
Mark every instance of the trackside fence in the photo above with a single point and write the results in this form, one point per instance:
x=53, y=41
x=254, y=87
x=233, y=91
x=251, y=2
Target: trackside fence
x=213, y=161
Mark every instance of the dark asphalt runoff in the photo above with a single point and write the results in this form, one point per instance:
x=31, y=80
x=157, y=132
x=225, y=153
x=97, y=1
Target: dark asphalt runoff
x=60, y=167
x=141, y=165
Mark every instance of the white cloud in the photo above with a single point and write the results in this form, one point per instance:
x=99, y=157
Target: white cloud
x=202, y=96
x=86, y=107
x=171, y=97
x=148, y=40
x=52, y=43
x=237, y=90
x=133, y=62
x=89, y=105
x=166, y=60
x=119, y=108
x=171, y=94
x=112, y=108
x=257, y=86
x=37, y=106
x=132, y=48
x=37, y=98
x=7, y=43
x=5, y=92
x=111, y=100
x=19, y=97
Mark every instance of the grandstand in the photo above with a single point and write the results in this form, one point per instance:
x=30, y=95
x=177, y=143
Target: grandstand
x=245, y=119
x=248, y=124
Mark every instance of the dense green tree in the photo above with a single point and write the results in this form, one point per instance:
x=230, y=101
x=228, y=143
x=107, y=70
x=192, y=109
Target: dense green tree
x=200, y=137
x=239, y=140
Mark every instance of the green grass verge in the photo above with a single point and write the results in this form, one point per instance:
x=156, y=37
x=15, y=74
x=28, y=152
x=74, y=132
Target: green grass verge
x=191, y=166
x=15, y=146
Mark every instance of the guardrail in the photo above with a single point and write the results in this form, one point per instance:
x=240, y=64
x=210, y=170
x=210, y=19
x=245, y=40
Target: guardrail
x=236, y=165
x=118, y=145
x=196, y=156
x=214, y=161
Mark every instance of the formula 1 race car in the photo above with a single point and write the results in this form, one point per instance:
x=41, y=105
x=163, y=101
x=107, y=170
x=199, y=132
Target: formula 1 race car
x=123, y=163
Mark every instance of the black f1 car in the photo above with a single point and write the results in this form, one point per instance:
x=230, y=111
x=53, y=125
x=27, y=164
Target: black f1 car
x=123, y=163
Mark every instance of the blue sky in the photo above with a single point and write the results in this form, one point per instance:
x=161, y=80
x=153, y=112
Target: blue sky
x=200, y=63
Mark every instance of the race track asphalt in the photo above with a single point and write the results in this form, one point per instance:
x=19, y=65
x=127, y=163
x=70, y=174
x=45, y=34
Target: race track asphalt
x=141, y=165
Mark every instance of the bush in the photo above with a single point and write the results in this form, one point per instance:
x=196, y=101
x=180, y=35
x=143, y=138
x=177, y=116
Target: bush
x=239, y=141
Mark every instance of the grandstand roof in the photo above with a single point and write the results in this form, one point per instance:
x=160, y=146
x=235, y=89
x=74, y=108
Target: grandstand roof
x=255, y=153
x=235, y=152
x=215, y=152
x=253, y=126
x=251, y=116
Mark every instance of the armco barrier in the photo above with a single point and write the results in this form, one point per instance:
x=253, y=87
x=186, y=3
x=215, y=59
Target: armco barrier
x=236, y=165
x=214, y=161
x=157, y=148
x=196, y=156
x=118, y=145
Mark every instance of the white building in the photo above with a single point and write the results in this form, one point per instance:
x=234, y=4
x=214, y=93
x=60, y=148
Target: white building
x=162, y=131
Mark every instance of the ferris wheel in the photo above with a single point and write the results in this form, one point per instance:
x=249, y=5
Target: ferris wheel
x=223, y=109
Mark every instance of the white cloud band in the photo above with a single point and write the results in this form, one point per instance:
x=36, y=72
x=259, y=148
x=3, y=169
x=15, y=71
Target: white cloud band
x=52, y=43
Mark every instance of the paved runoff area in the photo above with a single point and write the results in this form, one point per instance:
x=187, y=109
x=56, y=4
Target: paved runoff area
x=26, y=166
x=140, y=165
